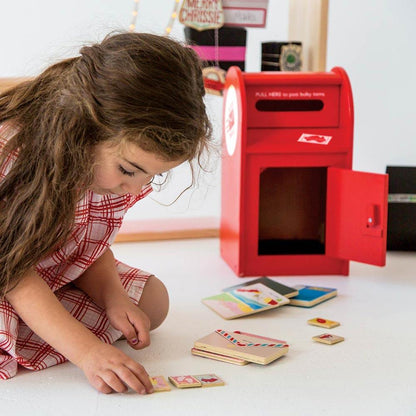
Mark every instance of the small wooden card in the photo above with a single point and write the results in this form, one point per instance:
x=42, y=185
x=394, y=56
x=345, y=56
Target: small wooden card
x=218, y=357
x=159, y=383
x=209, y=380
x=328, y=339
x=184, y=382
x=324, y=323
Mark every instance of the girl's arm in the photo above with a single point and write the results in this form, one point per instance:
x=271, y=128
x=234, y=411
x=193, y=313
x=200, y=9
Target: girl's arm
x=101, y=282
x=106, y=367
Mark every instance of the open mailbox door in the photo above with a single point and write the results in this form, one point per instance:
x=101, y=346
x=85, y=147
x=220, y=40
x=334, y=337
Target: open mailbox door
x=356, y=216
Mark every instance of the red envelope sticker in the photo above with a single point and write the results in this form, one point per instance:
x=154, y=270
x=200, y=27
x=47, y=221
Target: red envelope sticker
x=314, y=138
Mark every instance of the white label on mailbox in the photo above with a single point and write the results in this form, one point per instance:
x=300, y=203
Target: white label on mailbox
x=231, y=120
x=314, y=138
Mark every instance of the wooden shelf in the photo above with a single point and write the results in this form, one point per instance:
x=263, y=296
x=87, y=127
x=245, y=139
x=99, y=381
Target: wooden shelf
x=6, y=83
x=168, y=229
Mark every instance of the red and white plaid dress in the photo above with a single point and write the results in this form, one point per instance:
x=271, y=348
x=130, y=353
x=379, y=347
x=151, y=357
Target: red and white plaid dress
x=98, y=218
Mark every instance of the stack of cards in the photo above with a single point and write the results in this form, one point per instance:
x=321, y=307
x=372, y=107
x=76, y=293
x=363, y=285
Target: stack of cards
x=251, y=297
x=240, y=347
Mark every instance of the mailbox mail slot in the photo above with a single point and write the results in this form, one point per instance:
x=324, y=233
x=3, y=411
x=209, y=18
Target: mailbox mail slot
x=286, y=106
x=291, y=203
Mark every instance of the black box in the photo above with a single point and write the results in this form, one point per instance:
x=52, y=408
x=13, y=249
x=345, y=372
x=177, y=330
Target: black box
x=401, y=225
x=281, y=56
x=230, y=49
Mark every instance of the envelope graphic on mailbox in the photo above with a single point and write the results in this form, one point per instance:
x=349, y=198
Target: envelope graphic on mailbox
x=314, y=138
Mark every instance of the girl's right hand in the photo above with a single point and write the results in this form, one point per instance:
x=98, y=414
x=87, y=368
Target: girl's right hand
x=108, y=369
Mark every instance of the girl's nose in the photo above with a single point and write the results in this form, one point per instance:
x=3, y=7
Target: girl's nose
x=134, y=187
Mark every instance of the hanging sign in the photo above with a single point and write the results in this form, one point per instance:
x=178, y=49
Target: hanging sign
x=245, y=13
x=202, y=14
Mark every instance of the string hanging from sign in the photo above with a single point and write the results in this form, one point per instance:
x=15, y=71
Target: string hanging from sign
x=173, y=16
x=134, y=13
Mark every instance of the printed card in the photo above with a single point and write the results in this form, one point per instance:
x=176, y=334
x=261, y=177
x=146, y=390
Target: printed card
x=183, y=382
x=218, y=357
x=328, y=339
x=284, y=290
x=259, y=296
x=245, y=346
x=209, y=380
x=324, y=323
x=245, y=301
x=309, y=296
x=160, y=384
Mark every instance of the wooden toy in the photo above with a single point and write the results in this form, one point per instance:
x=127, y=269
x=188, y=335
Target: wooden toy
x=309, y=296
x=291, y=203
x=324, y=323
x=284, y=290
x=184, y=382
x=248, y=347
x=218, y=357
x=159, y=384
x=209, y=380
x=245, y=300
x=328, y=338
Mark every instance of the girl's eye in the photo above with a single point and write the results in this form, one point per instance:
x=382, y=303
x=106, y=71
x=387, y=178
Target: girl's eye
x=125, y=172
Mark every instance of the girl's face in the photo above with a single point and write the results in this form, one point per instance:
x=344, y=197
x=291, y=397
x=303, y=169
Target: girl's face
x=121, y=169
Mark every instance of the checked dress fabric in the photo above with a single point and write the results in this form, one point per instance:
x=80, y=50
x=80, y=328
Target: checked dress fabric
x=98, y=218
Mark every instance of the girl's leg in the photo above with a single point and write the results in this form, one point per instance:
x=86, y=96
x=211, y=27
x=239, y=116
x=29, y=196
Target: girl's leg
x=154, y=301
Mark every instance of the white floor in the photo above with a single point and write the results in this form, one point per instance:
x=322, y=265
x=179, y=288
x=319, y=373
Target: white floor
x=373, y=372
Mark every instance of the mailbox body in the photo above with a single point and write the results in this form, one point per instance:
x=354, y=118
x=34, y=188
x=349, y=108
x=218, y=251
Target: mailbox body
x=291, y=203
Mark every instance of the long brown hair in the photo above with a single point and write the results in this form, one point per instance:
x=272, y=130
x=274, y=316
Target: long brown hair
x=145, y=88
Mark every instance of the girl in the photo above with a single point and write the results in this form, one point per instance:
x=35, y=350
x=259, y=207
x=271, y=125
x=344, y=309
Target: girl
x=79, y=145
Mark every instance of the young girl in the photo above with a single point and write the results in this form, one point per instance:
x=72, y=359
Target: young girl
x=79, y=145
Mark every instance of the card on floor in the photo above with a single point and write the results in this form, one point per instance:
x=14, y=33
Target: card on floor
x=324, y=323
x=284, y=290
x=309, y=296
x=209, y=380
x=328, y=338
x=219, y=357
x=183, y=382
x=249, y=347
x=160, y=383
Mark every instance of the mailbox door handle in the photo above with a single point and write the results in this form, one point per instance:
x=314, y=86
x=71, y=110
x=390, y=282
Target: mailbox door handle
x=373, y=221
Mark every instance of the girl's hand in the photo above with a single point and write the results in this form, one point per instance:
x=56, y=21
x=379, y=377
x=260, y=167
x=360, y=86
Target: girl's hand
x=128, y=318
x=109, y=369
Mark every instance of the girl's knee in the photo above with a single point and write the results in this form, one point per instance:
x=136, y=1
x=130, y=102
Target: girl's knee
x=155, y=301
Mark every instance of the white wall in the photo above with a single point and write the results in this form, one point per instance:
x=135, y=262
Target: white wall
x=373, y=40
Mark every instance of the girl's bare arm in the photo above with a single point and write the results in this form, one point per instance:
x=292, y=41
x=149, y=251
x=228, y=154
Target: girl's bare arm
x=107, y=368
x=101, y=282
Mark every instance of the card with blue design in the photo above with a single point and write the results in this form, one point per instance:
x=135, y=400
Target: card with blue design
x=309, y=296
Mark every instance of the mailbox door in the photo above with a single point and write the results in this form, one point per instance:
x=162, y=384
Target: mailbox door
x=356, y=216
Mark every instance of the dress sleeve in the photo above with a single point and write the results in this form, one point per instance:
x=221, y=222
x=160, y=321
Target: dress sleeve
x=145, y=191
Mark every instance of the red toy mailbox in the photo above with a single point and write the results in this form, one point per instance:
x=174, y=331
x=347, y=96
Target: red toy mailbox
x=291, y=205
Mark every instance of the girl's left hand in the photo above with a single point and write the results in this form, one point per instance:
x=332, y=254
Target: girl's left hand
x=128, y=318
